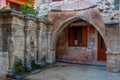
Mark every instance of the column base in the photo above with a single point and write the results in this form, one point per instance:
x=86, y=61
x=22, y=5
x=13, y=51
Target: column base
x=38, y=62
x=11, y=73
x=28, y=67
x=113, y=62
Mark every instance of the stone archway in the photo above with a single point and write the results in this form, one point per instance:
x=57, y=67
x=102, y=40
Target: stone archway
x=62, y=18
x=64, y=24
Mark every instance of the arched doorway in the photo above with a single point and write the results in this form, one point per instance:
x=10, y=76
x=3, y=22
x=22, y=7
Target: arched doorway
x=61, y=19
x=101, y=49
x=79, y=43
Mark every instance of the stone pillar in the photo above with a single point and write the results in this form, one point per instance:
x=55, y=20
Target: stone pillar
x=11, y=49
x=39, y=43
x=113, y=47
x=43, y=41
x=49, y=47
x=113, y=62
x=27, y=55
x=53, y=55
x=51, y=50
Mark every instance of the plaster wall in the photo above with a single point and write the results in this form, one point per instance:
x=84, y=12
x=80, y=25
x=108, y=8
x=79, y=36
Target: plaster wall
x=2, y=3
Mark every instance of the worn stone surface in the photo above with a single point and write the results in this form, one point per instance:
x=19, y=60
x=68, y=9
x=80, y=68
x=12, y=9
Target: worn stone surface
x=19, y=37
x=113, y=62
x=75, y=72
x=3, y=64
x=112, y=39
x=105, y=7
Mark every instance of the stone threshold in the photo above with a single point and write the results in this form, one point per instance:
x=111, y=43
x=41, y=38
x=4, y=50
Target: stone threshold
x=87, y=64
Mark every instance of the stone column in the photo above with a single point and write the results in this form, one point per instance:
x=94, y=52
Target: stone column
x=113, y=61
x=113, y=48
x=43, y=41
x=46, y=42
x=11, y=49
x=53, y=55
x=39, y=43
x=48, y=46
x=51, y=50
x=27, y=55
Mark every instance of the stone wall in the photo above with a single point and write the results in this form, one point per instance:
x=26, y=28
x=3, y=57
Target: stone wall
x=113, y=47
x=105, y=7
x=3, y=52
x=3, y=64
x=112, y=38
x=23, y=37
x=1, y=34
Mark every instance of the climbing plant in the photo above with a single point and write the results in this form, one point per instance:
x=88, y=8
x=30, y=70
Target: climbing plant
x=26, y=9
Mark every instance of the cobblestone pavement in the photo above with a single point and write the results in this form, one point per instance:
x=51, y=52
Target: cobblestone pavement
x=75, y=72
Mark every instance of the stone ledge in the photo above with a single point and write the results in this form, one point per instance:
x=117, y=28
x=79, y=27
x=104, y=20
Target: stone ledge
x=112, y=22
x=113, y=53
x=11, y=12
x=21, y=15
x=59, y=10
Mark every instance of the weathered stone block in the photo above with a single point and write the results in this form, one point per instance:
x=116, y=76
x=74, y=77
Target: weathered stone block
x=19, y=39
x=1, y=20
x=19, y=43
x=19, y=48
x=18, y=21
x=113, y=62
x=18, y=26
x=19, y=53
x=3, y=63
x=1, y=48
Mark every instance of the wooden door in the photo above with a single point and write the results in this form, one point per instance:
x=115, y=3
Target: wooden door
x=101, y=49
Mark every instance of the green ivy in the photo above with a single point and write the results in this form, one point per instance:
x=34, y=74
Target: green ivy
x=28, y=9
x=19, y=68
x=3, y=9
x=112, y=18
x=34, y=65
